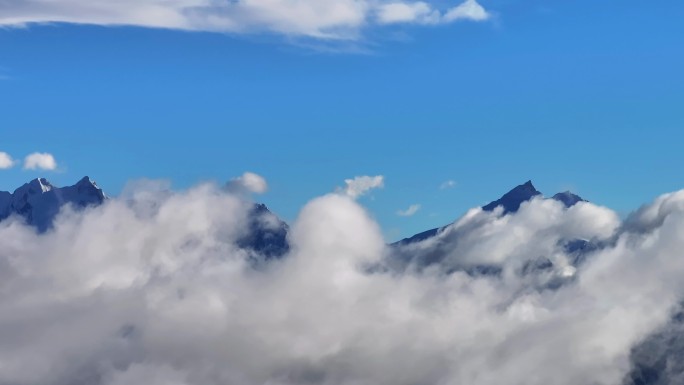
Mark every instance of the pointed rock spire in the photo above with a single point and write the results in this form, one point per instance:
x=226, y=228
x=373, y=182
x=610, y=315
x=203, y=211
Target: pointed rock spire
x=512, y=200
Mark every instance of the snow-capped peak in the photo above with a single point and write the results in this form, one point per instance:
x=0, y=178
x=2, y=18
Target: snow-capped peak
x=38, y=201
x=36, y=186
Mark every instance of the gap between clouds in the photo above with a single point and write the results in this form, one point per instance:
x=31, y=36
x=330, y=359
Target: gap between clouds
x=330, y=20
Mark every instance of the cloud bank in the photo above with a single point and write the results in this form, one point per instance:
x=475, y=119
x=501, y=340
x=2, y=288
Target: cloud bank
x=330, y=19
x=153, y=289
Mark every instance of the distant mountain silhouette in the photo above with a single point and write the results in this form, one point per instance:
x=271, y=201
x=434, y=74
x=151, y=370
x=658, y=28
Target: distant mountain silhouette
x=510, y=203
x=267, y=235
x=38, y=202
x=512, y=200
x=569, y=199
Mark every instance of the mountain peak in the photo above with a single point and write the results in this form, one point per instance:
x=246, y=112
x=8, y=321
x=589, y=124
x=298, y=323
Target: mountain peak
x=512, y=200
x=568, y=198
x=35, y=186
x=267, y=233
x=41, y=184
x=85, y=180
x=39, y=202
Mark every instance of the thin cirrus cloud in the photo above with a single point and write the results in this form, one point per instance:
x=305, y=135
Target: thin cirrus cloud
x=6, y=161
x=332, y=19
x=40, y=161
x=447, y=185
x=410, y=211
x=423, y=13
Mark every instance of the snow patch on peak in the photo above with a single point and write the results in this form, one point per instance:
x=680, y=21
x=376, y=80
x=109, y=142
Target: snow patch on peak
x=38, y=202
x=36, y=186
x=43, y=184
x=90, y=187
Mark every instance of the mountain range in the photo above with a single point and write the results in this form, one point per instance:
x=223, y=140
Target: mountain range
x=510, y=203
x=38, y=202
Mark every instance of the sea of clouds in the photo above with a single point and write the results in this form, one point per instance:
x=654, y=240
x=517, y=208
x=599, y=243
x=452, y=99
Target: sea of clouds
x=150, y=288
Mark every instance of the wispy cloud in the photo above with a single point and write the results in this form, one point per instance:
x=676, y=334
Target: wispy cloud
x=40, y=161
x=410, y=211
x=329, y=19
x=421, y=12
x=361, y=185
x=6, y=161
x=447, y=184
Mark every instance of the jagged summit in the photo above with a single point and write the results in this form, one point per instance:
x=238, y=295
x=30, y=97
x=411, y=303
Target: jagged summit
x=267, y=234
x=568, y=199
x=86, y=181
x=512, y=200
x=39, y=201
x=36, y=186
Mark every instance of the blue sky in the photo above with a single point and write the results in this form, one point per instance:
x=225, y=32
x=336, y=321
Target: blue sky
x=581, y=95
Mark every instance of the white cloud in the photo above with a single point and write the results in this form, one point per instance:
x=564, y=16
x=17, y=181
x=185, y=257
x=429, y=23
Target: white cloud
x=361, y=185
x=447, y=184
x=469, y=10
x=423, y=13
x=164, y=296
x=40, y=161
x=330, y=19
x=407, y=13
x=248, y=182
x=6, y=161
x=411, y=210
